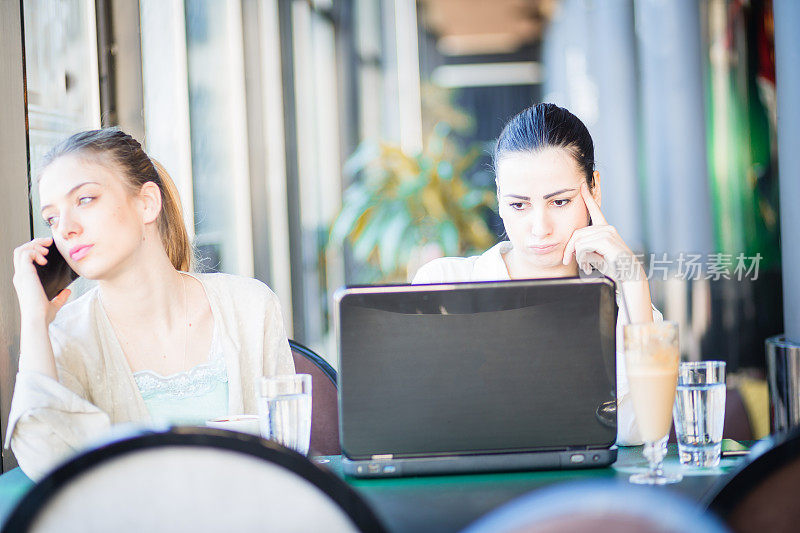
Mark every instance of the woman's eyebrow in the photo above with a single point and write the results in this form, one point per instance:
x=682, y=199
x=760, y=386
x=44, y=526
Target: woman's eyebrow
x=517, y=196
x=546, y=196
x=72, y=190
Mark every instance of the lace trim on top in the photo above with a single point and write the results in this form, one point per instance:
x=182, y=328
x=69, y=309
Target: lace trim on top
x=196, y=381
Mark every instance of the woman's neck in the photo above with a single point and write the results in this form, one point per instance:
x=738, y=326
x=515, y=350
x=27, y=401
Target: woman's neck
x=144, y=293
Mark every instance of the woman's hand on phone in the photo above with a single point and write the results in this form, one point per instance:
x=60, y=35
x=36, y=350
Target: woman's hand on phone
x=601, y=246
x=33, y=302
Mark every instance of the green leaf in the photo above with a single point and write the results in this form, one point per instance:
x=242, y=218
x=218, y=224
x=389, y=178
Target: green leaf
x=409, y=241
x=448, y=237
x=424, y=161
x=471, y=199
x=437, y=139
x=389, y=243
x=411, y=187
x=366, y=152
x=445, y=170
x=366, y=242
x=442, y=129
x=465, y=161
x=357, y=199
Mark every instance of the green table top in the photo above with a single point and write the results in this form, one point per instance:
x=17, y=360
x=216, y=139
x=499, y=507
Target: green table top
x=13, y=486
x=449, y=503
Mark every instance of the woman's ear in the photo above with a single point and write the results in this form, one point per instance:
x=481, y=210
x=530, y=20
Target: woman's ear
x=150, y=201
x=596, y=189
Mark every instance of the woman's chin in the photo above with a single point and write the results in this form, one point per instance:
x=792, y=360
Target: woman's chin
x=549, y=267
x=90, y=271
x=83, y=273
x=552, y=260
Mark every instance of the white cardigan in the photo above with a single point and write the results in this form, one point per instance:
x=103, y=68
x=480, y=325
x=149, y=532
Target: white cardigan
x=50, y=419
x=490, y=266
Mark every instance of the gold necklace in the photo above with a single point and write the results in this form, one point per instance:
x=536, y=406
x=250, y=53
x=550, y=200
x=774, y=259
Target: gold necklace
x=121, y=337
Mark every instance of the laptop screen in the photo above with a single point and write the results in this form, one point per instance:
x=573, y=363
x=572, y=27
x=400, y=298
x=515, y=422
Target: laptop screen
x=471, y=368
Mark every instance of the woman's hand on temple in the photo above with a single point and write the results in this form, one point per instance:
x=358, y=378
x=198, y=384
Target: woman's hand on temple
x=33, y=302
x=601, y=246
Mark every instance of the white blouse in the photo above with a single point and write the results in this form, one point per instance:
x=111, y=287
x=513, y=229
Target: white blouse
x=490, y=266
x=96, y=389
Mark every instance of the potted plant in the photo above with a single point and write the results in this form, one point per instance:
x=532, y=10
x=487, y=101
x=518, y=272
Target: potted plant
x=400, y=205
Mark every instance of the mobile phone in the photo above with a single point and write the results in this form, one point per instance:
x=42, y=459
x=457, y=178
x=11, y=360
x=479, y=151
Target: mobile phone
x=56, y=274
x=732, y=448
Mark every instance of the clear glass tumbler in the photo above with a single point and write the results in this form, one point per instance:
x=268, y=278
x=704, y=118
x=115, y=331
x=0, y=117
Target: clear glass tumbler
x=699, y=412
x=284, y=410
x=652, y=356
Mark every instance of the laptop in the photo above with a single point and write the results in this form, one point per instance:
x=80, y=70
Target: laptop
x=477, y=377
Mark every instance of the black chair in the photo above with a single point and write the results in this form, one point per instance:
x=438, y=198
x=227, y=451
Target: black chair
x=599, y=507
x=324, y=406
x=191, y=479
x=761, y=495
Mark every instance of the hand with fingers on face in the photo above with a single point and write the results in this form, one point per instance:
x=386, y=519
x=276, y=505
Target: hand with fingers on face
x=33, y=302
x=601, y=246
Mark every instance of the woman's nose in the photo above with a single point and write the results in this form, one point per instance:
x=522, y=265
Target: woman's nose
x=540, y=223
x=68, y=227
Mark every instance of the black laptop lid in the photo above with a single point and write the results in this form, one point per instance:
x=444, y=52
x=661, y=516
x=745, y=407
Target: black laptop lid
x=470, y=368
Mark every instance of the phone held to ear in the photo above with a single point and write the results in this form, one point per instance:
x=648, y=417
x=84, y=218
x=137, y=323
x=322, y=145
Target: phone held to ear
x=56, y=274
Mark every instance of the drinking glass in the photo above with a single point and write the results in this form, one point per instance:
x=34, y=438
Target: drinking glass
x=700, y=412
x=284, y=410
x=652, y=356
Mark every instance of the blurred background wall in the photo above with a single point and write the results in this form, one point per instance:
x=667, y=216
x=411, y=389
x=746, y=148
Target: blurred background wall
x=275, y=116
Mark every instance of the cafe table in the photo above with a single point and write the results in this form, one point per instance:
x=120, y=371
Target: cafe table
x=449, y=503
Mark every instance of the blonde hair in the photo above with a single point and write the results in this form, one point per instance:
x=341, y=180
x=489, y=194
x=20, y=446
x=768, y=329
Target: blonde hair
x=120, y=149
x=171, y=227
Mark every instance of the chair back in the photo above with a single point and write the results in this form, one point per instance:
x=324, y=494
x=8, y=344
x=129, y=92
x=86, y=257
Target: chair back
x=191, y=479
x=600, y=507
x=324, y=399
x=761, y=495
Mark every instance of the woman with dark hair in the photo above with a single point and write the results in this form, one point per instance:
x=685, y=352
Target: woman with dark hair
x=549, y=200
x=152, y=341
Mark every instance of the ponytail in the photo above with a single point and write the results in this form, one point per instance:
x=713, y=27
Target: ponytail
x=170, y=222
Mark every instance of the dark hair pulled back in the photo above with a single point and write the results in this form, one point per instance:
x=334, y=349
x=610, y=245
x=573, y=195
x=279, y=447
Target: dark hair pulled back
x=117, y=148
x=548, y=126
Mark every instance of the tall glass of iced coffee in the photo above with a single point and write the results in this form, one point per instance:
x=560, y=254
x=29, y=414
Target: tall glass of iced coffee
x=652, y=356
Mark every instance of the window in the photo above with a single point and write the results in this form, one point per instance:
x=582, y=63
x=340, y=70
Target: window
x=217, y=118
x=62, y=80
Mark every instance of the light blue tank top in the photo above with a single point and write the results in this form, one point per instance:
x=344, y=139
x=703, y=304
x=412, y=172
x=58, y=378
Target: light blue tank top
x=186, y=398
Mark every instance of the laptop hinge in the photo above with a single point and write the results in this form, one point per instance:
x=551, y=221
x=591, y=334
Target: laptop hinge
x=383, y=457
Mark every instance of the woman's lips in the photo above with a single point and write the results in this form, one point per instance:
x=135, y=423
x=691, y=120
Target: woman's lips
x=541, y=250
x=79, y=252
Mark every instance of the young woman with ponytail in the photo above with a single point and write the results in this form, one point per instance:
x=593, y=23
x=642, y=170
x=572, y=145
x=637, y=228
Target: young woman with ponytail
x=152, y=341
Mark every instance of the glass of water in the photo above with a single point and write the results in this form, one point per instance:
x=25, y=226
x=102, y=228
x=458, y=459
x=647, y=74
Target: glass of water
x=284, y=410
x=699, y=412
